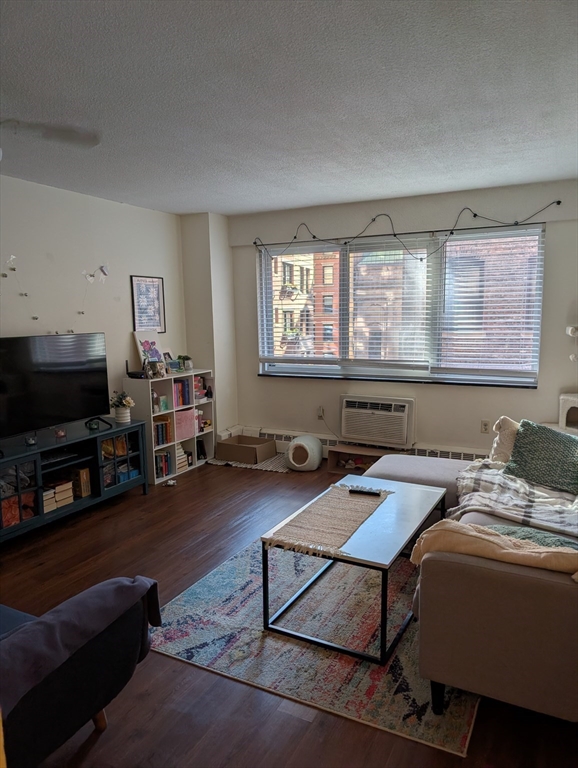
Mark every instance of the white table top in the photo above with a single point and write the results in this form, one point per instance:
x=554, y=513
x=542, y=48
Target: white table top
x=380, y=539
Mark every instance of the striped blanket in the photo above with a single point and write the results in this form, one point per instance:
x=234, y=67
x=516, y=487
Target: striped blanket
x=483, y=487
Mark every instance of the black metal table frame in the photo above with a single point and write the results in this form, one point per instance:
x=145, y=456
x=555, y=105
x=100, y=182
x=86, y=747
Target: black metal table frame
x=385, y=651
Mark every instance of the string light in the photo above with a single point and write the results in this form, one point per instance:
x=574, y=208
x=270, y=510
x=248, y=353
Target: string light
x=258, y=243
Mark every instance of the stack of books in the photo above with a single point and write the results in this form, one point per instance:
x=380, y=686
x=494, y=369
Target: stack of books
x=182, y=392
x=49, y=500
x=163, y=432
x=163, y=464
x=63, y=494
x=182, y=459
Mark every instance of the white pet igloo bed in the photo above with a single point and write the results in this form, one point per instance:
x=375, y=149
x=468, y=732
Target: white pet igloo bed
x=304, y=453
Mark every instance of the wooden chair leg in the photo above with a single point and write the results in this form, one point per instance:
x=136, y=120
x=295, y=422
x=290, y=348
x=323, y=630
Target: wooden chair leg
x=437, y=697
x=100, y=721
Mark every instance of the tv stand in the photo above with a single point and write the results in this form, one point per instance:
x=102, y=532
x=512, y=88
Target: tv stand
x=35, y=480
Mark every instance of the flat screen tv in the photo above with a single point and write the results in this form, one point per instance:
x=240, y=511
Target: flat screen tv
x=50, y=380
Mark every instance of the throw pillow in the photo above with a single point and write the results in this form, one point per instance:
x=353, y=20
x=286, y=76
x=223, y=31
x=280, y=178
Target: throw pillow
x=544, y=456
x=506, y=429
x=543, y=538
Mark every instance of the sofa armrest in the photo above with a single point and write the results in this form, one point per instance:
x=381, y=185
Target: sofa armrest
x=500, y=630
x=51, y=712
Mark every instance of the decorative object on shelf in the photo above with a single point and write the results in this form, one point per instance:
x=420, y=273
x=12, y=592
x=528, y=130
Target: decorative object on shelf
x=209, y=393
x=149, y=349
x=122, y=415
x=174, y=366
x=157, y=369
x=122, y=402
x=168, y=355
x=155, y=400
x=186, y=362
x=148, y=303
x=60, y=432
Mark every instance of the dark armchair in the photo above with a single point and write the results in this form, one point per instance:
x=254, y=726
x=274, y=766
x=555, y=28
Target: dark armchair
x=59, y=671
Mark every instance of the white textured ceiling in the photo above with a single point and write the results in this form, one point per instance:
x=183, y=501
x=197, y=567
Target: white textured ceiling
x=234, y=106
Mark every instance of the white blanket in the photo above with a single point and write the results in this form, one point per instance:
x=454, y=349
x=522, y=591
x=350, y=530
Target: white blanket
x=483, y=487
x=477, y=540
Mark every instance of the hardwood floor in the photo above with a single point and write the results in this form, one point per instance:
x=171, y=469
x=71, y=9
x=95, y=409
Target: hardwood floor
x=174, y=715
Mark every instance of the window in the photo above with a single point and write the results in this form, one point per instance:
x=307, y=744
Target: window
x=463, y=311
x=328, y=305
x=287, y=273
x=288, y=321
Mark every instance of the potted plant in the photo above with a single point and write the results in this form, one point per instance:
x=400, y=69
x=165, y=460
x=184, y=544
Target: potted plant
x=122, y=402
x=186, y=362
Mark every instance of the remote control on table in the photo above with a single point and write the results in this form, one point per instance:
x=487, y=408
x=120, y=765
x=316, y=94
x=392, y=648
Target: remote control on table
x=367, y=491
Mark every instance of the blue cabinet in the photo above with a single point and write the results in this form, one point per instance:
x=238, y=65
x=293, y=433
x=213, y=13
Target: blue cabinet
x=61, y=475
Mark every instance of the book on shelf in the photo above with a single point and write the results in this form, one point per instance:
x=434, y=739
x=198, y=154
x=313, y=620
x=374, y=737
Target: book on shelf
x=163, y=431
x=163, y=464
x=182, y=392
x=81, y=482
x=62, y=501
x=58, y=486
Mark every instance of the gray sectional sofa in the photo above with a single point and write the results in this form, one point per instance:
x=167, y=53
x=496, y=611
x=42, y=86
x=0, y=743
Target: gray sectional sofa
x=498, y=629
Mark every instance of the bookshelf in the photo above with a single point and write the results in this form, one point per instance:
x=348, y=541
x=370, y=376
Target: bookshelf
x=179, y=418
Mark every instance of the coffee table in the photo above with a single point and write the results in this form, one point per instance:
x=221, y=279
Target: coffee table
x=376, y=544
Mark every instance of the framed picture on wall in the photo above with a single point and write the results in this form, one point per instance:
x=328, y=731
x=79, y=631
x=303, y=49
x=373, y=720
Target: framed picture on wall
x=148, y=303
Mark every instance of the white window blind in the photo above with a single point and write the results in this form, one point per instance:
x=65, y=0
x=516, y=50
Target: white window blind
x=465, y=311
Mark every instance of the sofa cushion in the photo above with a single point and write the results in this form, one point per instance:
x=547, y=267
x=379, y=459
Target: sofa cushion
x=545, y=457
x=503, y=444
x=482, y=518
x=423, y=470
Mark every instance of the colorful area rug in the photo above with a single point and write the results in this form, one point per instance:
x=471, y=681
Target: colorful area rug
x=217, y=624
x=275, y=464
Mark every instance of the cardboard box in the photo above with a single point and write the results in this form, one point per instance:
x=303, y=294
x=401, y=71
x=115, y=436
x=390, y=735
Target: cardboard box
x=247, y=450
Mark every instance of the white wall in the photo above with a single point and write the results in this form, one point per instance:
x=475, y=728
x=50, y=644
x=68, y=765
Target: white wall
x=55, y=235
x=209, y=305
x=223, y=295
x=447, y=415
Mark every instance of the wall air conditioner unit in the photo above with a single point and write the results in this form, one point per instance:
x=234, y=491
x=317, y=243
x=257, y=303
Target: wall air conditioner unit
x=383, y=421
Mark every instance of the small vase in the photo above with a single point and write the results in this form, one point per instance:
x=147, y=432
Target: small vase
x=122, y=415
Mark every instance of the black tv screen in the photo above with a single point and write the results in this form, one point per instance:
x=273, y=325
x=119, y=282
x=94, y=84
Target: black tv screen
x=50, y=380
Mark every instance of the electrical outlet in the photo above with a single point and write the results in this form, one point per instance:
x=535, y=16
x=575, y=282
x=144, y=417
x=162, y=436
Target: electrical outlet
x=485, y=427
x=320, y=412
